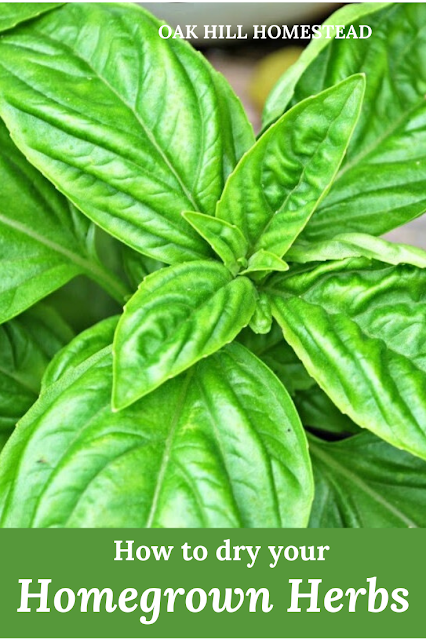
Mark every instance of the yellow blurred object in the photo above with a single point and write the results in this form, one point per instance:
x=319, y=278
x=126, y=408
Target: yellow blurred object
x=268, y=71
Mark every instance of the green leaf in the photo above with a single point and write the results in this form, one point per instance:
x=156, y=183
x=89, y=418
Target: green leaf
x=278, y=184
x=130, y=149
x=82, y=348
x=358, y=327
x=283, y=92
x=44, y=241
x=348, y=245
x=224, y=238
x=207, y=449
x=315, y=408
x=262, y=261
x=14, y=13
x=272, y=349
x=261, y=320
x=317, y=411
x=179, y=315
x=362, y=482
x=27, y=344
x=381, y=182
x=137, y=266
x=237, y=132
x=4, y=436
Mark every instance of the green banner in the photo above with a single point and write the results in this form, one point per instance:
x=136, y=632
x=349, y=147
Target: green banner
x=212, y=583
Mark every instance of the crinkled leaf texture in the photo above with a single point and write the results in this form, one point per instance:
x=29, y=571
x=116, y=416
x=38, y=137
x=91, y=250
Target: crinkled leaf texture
x=278, y=184
x=348, y=245
x=27, y=344
x=132, y=147
x=179, y=315
x=363, y=482
x=381, y=182
x=358, y=327
x=44, y=241
x=14, y=13
x=206, y=449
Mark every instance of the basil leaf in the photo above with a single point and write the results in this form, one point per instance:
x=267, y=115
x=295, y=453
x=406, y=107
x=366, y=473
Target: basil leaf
x=129, y=149
x=27, y=344
x=362, y=482
x=380, y=184
x=224, y=238
x=237, y=132
x=315, y=408
x=272, y=349
x=358, y=327
x=283, y=92
x=44, y=241
x=317, y=411
x=204, y=450
x=278, y=184
x=137, y=266
x=179, y=315
x=348, y=245
x=82, y=348
x=12, y=14
x=264, y=261
x=4, y=436
x=261, y=320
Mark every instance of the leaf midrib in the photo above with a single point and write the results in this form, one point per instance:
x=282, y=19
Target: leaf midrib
x=83, y=265
x=361, y=327
x=167, y=450
x=146, y=130
x=357, y=159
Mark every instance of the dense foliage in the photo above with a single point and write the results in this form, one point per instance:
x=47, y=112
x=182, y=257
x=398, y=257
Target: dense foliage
x=265, y=321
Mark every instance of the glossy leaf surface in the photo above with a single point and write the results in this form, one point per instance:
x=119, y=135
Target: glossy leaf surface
x=264, y=261
x=204, y=450
x=82, y=96
x=283, y=93
x=358, y=327
x=14, y=13
x=41, y=237
x=357, y=245
x=363, y=482
x=179, y=315
x=27, y=344
x=44, y=241
x=279, y=183
x=225, y=239
x=381, y=182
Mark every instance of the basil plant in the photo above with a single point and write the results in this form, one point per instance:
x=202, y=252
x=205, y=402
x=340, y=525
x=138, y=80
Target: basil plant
x=269, y=367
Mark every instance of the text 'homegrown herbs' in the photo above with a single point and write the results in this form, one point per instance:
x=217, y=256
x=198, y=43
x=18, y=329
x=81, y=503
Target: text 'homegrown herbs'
x=270, y=340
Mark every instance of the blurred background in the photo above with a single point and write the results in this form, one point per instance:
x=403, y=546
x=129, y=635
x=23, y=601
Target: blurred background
x=253, y=66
